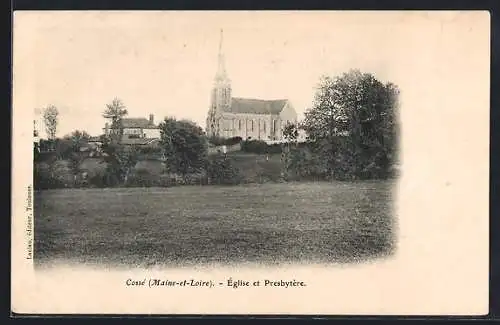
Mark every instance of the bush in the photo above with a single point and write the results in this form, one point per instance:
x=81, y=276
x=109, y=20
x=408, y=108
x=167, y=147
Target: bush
x=220, y=141
x=305, y=163
x=44, y=181
x=222, y=171
x=216, y=141
x=337, y=161
x=100, y=180
x=260, y=147
x=144, y=178
x=274, y=148
x=232, y=141
x=141, y=178
x=254, y=146
x=64, y=148
x=52, y=175
x=195, y=179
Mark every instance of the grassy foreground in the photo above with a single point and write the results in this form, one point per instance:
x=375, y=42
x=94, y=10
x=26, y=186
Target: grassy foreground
x=266, y=223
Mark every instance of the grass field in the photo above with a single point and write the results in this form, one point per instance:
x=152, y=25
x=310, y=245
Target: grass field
x=267, y=223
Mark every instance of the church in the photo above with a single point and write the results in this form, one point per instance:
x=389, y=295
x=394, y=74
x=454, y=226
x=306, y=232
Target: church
x=248, y=118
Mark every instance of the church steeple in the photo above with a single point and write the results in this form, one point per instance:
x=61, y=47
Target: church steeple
x=221, y=93
x=221, y=74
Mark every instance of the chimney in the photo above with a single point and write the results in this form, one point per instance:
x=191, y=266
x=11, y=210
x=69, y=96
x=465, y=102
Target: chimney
x=106, y=129
x=151, y=119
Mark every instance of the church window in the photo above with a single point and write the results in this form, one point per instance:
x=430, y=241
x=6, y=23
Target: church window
x=239, y=124
x=274, y=125
x=251, y=125
x=264, y=125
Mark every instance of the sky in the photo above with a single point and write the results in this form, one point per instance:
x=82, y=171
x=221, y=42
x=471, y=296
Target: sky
x=163, y=63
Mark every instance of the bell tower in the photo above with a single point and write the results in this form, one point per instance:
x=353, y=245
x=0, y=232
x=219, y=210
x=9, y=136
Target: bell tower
x=221, y=95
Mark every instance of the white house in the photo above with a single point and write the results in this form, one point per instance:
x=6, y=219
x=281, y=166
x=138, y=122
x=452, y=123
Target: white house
x=136, y=130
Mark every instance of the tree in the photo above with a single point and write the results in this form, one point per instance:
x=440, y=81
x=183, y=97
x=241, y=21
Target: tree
x=222, y=171
x=77, y=138
x=75, y=160
x=115, y=111
x=63, y=148
x=184, y=146
x=353, y=124
x=50, y=119
x=120, y=160
x=291, y=134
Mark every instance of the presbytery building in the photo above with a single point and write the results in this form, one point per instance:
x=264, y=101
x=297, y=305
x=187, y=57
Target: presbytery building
x=135, y=131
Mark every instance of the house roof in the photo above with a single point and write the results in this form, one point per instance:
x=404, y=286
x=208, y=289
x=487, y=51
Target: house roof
x=137, y=122
x=256, y=106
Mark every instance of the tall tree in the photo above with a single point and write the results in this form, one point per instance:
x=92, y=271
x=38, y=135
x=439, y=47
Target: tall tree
x=353, y=121
x=290, y=133
x=114, y=112
x=50, y=119
x=184, y=146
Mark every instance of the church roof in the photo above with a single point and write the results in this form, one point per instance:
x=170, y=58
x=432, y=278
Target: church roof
x=256, y=106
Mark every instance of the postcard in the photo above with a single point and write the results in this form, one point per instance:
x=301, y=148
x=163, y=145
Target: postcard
x=251, y=162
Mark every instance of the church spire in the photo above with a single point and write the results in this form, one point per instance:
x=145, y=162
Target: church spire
x=221, y=95
x=221, y=39
x=221, y=68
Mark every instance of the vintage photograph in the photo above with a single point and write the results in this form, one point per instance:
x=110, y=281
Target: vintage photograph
x=250, y=165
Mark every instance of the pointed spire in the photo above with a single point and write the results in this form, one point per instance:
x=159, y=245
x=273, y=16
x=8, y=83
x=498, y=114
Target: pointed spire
x=221, y=69
x=220, y=43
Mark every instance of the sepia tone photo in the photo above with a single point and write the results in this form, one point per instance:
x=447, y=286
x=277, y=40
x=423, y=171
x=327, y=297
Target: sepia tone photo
x=235, y=140
x=253, y=184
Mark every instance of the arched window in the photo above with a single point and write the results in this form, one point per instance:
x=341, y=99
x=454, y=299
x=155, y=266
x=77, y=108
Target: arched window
x=239, y=124
x=264, y=125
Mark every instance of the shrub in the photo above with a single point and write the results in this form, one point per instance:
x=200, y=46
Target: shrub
x=305, y=163
x=274, y=148
x=141, y=178
x=195, y=179
x=219, y=141
x=100, y=179
x=149, y=150
x=144, y=178
x=64, y=148
x=222, y=171
x=52, y=175
x=44, y=181
x=232, y=141
x=260, y=147
x=254, y=146
x=216, y=141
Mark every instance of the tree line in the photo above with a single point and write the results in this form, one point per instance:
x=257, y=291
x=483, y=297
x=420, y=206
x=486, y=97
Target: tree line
x=352, y=130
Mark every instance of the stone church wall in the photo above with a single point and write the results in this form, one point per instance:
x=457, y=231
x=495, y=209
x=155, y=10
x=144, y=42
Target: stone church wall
x=241, y=125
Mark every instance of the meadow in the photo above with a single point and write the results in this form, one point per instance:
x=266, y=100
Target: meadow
x=272, y=223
